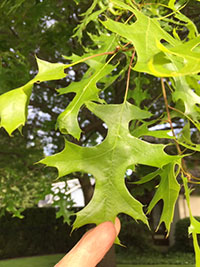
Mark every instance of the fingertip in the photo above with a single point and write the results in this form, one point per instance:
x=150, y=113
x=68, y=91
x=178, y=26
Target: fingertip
x=108, y=232
x=117, y=225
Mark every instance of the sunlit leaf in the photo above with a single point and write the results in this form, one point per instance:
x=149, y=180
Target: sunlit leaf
x=13, y=108
x=143, y=130
x=86, y=89
x=173, y=58
x=108, y=162
x=168, y=191
x=144, y=34
x=49, y=71
x=188, y=96
x=176, y=61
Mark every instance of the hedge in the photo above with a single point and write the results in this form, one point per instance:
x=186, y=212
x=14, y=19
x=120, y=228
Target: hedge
x=135, y=236
x=39, y=232
x=183, y=242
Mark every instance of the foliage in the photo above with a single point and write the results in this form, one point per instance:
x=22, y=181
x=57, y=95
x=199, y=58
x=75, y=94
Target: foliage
x=134, y=241
x=155, y=258
x=16, y=240
x=183, y=242
x=157, y=42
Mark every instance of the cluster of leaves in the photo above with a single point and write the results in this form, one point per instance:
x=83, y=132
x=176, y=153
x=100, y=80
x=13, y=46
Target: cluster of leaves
x=153, y=39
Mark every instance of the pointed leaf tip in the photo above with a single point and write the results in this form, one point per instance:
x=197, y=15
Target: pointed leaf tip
x=49, y=71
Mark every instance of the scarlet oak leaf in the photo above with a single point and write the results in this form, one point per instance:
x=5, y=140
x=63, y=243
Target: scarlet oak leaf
x=87, y=88
x=172, y=59
x=49, y=71
x=168, y=190
x=14, y=104
x=13, y=108
x=108, y=162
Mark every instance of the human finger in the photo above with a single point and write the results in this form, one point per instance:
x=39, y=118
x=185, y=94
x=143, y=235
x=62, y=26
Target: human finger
x=92, y=247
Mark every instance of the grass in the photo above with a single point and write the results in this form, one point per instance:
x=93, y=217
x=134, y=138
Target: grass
x=41, y=261
x=161, y=259
x=121, y=265
x=51, y=260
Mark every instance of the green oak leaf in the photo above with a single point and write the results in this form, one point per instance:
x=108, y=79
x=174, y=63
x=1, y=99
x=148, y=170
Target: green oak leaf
x=179, y=60
x=88, y=16
x=64, y=209
x=188, y=96
x=193, y=31
x=184, y=138
x=172, y=59
x=150, y=176
x=168, y=190
x=49, y=71
x=14, y=104
x=86, y=89
x=108, y=162
x=138, y=94
x=144, y=34
x=13, y=108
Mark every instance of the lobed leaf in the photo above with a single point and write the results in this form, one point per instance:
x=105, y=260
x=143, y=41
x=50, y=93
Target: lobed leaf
x=108, y=162
x=176, y=61
x=144, y=34
x=188, y=96
x=168, y=191
x=14, y=104
x=86, y=89
x=49, y=71
x=13, y=108
x=89, y=15
x=172, y=59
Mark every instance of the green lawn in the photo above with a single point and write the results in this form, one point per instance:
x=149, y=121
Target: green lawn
x=40, y=261
x=121, y=265
x=51, y=260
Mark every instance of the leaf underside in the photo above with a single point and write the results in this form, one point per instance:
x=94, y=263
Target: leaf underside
x=108, y=161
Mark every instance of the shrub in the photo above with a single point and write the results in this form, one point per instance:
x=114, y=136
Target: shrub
x=39, y=232
x=183, y=242
x=135, y=235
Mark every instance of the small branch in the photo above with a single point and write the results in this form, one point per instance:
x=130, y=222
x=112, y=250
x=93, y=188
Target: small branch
x=168, y=116
x=195, y=124
x=128, y=76
x=117, y=49
x=183, y=167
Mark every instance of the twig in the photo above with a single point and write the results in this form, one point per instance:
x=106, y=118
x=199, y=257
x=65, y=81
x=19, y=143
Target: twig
x=117, y=49
x=168, y=116
x=128, y=76
x=183, y=167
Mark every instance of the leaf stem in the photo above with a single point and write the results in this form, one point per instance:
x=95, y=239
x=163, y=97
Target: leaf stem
x=128, y=76
x=183, y=167
x=117, y=49
x=169, y=117
x=193, y=122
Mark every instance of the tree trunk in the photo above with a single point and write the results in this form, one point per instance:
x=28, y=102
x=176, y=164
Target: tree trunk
x=88, y=190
